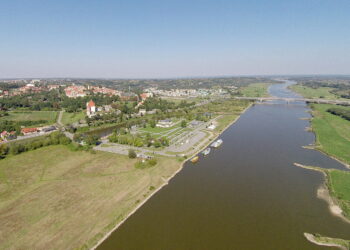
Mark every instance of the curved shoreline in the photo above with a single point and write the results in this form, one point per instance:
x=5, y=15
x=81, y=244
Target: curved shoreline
x=166, y=182
x=323, y=193
x=311, y=238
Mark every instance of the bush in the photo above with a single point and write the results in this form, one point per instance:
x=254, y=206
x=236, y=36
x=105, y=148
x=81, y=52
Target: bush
x=3, y=151
x=146, y=163
x=132, y=154
x=91, y=140
x=340, y=112
x=152, y=162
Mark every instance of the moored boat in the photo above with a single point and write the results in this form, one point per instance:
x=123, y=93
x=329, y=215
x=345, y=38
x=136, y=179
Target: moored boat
x=195, y=159
x=206, y=151
x=217, y=143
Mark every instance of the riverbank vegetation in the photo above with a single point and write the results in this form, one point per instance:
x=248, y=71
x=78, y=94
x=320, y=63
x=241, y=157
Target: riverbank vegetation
x=327, y=88
x=332, y=131
x=46, y=195
x=337, y=183
x=327, y=241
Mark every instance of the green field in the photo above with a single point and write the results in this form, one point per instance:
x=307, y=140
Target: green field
x=55, y=198
x=339, y=185
x=223, y=121
x=332, y=132
x=69, y=118
x=255, y=90
x=49, y=116
x=322, y=92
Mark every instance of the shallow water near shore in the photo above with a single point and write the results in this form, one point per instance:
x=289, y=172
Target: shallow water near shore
x=247, y=194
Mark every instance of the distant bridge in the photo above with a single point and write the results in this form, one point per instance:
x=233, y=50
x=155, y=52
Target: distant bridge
x=288, y=100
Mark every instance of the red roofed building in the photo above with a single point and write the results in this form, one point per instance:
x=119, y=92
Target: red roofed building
x=27, y=131
x=90, y=108
x=144, y=96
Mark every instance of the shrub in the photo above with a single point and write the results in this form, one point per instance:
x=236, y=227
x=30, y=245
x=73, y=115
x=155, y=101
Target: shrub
x=152, y=162
x=132, y=154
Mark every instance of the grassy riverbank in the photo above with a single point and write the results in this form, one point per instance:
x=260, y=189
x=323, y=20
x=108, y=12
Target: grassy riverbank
x=332, y=132
x=317, y=93
x=59, y=199
x=337, y=194
x=327, y=241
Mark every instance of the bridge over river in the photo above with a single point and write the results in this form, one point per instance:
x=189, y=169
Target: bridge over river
x=288, y=100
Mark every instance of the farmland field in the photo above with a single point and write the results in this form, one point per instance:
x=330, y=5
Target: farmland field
x=69, y=118
x=48, y=116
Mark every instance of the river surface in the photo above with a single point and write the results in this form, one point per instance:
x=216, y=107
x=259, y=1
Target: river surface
x=245, y=195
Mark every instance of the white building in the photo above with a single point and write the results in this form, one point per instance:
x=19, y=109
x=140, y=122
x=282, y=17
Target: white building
x=165, y=123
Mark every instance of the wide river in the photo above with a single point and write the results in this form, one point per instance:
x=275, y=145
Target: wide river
x=245, y=195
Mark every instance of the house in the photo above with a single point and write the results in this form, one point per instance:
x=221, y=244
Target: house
x=90, y=108
x=165, y=123
x=28, y=131
x=144, y=96
x=142, y=112
x=8, y=135
x=75, y=91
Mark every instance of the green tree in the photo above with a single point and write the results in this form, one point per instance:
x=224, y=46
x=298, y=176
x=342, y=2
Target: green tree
x=3, y=150
x=91, y=140
x=152, y=123
x=183, y=124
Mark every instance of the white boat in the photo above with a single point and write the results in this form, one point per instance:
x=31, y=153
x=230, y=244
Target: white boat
x=206, y=151
x=216, y=143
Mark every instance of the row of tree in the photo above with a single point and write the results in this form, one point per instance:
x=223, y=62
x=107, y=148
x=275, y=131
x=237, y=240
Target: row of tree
x=340, y=112
x=20, y=147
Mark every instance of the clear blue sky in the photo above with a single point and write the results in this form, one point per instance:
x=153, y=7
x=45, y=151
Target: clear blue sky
x=178, y=38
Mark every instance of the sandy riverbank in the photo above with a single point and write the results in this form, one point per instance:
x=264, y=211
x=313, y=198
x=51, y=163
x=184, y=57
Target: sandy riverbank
x=168, y=179
x=312, y=239
x=323, y=193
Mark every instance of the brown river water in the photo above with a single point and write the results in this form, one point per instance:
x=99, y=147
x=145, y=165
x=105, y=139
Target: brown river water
x=247, y=194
